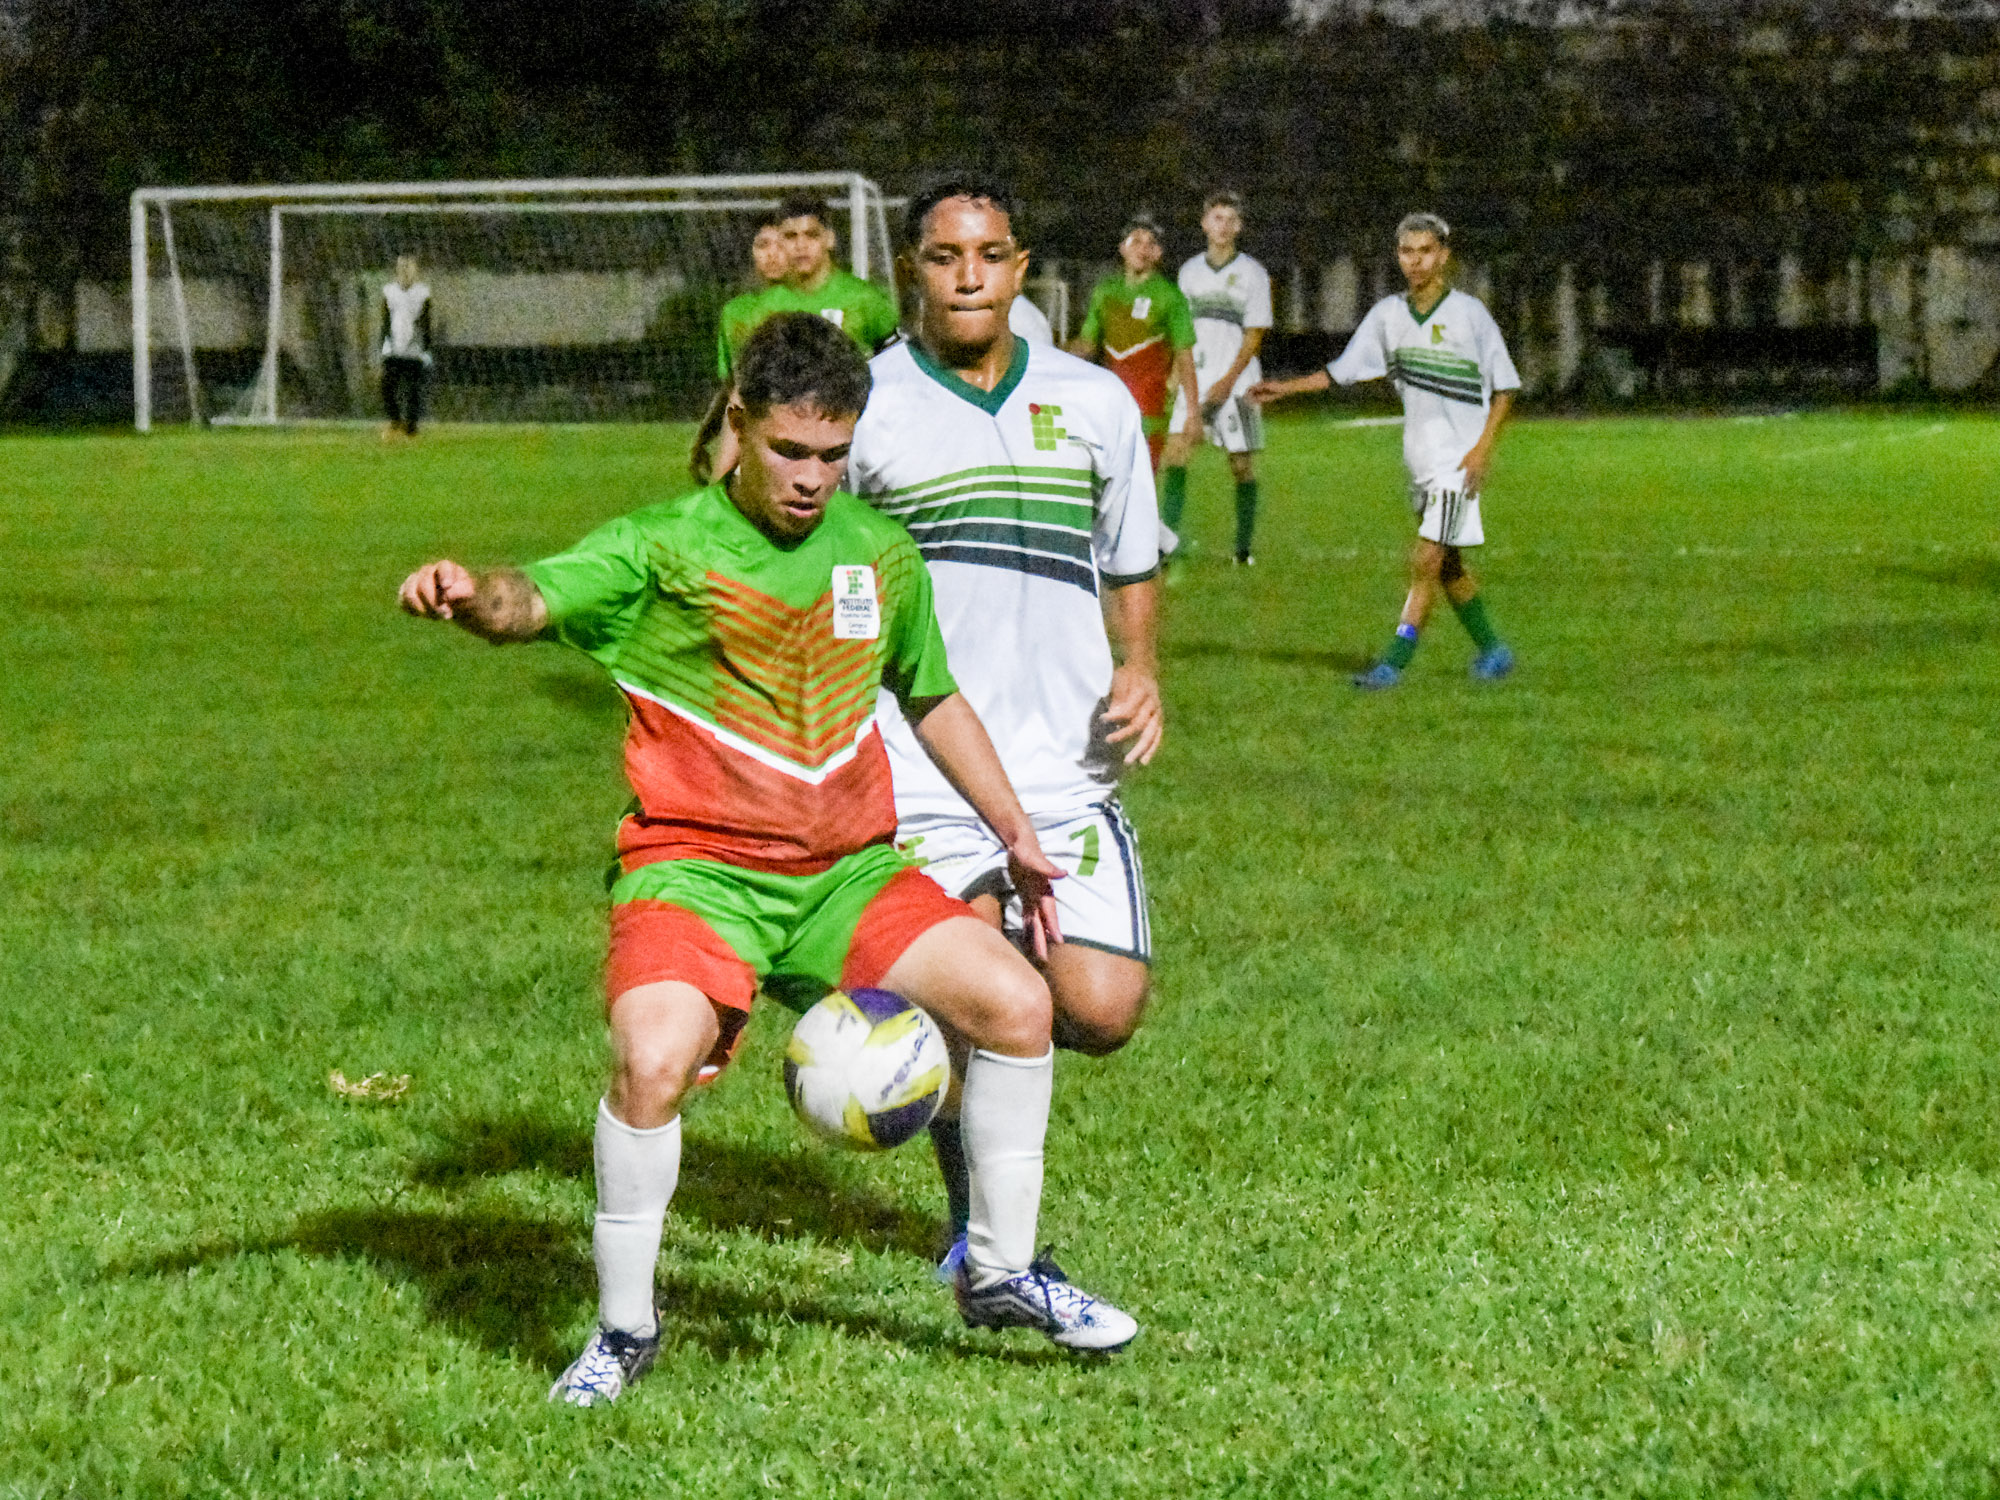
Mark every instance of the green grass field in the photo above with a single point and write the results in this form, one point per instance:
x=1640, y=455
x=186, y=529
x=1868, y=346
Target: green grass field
x=1584, y=1086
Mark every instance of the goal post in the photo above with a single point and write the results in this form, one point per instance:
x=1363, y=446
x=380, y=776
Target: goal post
x=553, y=300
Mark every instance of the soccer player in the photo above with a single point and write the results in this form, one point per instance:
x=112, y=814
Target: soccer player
x=406, y=348
x=1139, y=324
x=749, y=625
x=1444, y=352
x=1231, y=297
x=812, y=283
x=1022, y=473
x=770, y=260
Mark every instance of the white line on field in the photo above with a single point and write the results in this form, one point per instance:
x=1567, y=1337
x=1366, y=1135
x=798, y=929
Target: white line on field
x=1850, y=444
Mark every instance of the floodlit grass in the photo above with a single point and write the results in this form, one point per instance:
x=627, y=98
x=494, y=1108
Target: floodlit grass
x=1584, y=1085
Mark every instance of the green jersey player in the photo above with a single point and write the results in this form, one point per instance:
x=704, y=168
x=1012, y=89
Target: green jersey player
x=811, y=283
x=760, y=848
x=1444, y=352
x=1023, y=475
x=1139, y=326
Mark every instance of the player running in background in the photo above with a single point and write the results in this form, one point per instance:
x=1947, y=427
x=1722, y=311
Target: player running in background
x=761, y=844
x=1139, y=325
x=1444, y=352
x=1022, y=473
x=406, y=348
x=1231, y=297
x=813, y=284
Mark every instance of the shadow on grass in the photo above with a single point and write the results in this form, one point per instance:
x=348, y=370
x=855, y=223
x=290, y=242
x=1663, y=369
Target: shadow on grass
x=587, y=693
x=520, y=1286
x=1283, y=656
x=1982, y=573
x=724, y=1184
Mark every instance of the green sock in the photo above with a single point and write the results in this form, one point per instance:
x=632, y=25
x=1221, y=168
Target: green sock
x=1173, y=495
x=1472, y=615
x=1246, y=515
x=1402, y=646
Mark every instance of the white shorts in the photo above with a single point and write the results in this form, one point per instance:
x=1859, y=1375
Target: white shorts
x=1448, y=517
x=1238, y=426
x=1101, y=903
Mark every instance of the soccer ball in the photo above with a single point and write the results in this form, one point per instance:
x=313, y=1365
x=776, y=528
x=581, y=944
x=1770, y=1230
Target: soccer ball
x=866, y=1069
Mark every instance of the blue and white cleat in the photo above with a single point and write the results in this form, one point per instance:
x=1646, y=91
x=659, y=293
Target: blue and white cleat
x=1491, y=666
x=1377, y=677
x=947, y=1270
x=1042, y=1298
x=609, y=1362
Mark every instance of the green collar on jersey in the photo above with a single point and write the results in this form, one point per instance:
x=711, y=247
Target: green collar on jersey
x=1225, y=265
x=989, y=402
x=1423, y=318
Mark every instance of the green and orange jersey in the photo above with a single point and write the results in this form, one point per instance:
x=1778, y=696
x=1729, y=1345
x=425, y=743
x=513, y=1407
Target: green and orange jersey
x=860, y=309
x=1140, y=329
x=751, y=670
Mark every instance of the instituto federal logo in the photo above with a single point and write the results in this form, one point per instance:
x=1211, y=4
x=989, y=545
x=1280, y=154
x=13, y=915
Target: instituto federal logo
x=1042, y=423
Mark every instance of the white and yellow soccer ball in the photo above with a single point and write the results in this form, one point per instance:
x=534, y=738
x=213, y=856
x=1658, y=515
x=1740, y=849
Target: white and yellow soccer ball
x=866, y=1069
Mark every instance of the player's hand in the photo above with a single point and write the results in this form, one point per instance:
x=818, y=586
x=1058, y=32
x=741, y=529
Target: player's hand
x=1034, y=876
x=1135, y=707
x=1211, y=407
x=1266, y=391
x=433, y=589
x=1474, y=467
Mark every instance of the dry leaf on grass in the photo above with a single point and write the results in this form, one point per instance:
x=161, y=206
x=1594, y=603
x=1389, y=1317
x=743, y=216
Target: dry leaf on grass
x=376, y=1088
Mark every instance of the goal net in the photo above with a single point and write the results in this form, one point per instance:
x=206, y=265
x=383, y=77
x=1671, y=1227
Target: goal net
x=565, y=301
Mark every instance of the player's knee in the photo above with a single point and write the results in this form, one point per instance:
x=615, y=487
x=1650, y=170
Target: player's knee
x=1018, y=1010
x=1103, y=1017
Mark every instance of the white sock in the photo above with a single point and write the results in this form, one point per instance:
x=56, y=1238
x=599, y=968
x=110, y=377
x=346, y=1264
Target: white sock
x=637, y=1171
x=1004, y=1118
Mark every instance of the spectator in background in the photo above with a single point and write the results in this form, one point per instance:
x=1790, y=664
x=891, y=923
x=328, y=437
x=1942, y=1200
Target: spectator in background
x=406, y=348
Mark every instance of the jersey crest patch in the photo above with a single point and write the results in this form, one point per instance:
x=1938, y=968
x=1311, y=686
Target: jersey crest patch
x=856, y=614
x=1437, y=333
x=837, y=316
x=1042, y=425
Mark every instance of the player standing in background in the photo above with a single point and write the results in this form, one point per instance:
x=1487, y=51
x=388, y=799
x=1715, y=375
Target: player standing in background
x=813, y=284
x=1444, y=352
x=1022, y=473
x=1139, y=323
x=406, y=348
x=1231, y=297
x=770, y=260
x=760, y=847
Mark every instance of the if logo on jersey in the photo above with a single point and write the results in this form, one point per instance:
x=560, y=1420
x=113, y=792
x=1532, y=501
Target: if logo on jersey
x=1437, y=333
x=856, y=615
x=1042, y=423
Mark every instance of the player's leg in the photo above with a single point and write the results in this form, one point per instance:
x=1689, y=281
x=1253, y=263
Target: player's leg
x=1244, y=470
x=665, y=964
x=413, y=400
x=392, y=396
x=1174, y=456
x=1426, y=562
x=1099, y=997
x=975, y=982
x=1493, y=659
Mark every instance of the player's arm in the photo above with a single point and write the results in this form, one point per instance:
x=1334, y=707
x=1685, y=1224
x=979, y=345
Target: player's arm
x=1253, y=340
x=1090, y=337
x=1132, y=613
x=1266, y=391
x=388, y=337
x=959, y=746
x=1480, y=458
x=500, y=606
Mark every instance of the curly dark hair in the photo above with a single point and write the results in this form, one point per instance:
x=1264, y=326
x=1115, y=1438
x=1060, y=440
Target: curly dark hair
x=800, y=206
x=967, y=184
x=800, y=359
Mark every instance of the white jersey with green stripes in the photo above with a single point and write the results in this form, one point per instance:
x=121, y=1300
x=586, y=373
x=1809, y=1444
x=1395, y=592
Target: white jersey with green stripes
x=1447, y=365
x=1026, y=501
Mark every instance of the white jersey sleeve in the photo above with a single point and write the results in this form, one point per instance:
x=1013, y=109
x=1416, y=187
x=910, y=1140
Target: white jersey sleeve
x=1494, y=360
x=1256, y=295
x=1126, y=536
x=1366, y=356
x=1029, y=321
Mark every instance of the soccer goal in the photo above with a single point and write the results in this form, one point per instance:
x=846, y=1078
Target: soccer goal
x=587, y=299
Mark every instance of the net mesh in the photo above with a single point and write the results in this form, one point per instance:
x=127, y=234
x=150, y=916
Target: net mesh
x=584, y=307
